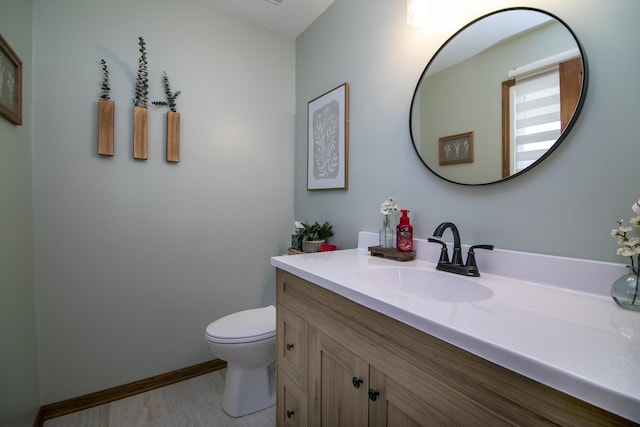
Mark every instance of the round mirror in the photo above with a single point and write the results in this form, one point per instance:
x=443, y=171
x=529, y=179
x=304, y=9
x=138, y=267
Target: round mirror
x=498, y=97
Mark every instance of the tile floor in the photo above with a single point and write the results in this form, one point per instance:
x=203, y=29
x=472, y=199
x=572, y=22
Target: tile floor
x=191, y=403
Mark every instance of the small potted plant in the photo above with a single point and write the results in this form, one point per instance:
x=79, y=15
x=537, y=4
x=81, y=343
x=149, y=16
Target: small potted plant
x=314, y=235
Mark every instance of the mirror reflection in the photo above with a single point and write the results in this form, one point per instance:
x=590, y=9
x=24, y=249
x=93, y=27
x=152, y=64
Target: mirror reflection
x=498, y=97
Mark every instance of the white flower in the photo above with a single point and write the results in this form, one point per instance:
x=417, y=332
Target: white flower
x=388, y=207
x=629, y=245
x=627, y=251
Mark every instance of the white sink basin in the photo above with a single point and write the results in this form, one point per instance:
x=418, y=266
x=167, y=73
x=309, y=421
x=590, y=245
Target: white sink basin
x=424, y=284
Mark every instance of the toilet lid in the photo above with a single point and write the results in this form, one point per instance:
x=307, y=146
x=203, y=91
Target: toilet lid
x=244, y=326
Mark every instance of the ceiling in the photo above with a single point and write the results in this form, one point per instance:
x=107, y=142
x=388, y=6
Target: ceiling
x=287, y=17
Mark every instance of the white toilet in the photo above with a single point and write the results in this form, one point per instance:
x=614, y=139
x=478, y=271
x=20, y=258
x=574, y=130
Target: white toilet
x=246, y=340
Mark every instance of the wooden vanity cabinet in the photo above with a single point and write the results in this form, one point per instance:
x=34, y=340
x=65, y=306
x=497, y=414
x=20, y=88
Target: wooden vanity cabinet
x=342, y=364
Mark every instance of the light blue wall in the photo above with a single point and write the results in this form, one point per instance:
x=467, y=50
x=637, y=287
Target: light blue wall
x=135, y=258
x=19, y=400
x=566, y=206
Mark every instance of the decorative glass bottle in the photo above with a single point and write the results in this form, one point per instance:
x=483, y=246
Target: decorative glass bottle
x=387, y=235
x=625, y=290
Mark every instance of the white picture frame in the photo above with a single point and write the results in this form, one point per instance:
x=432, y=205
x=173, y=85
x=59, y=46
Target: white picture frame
x=328, y=140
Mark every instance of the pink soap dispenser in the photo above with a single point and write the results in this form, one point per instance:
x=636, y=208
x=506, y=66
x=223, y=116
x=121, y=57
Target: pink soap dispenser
x=404, y=235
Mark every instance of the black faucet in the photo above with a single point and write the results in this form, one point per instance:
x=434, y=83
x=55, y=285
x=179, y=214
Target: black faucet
x=470, y=268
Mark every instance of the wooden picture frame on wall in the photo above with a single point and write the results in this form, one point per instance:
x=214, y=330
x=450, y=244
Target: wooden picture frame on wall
x=328, y=140
x=456, y=149
x=10, y=83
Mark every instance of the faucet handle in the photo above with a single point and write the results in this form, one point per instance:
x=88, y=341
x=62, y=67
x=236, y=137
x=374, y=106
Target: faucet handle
x=471, y=255
x=444, y=253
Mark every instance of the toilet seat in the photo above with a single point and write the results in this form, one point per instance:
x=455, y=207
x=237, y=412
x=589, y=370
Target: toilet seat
x=244, y=326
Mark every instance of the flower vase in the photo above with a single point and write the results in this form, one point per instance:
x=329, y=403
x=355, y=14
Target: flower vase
x=387, y=235
x=625, y=291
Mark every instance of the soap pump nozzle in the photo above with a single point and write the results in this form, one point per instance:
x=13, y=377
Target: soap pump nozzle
x=404, y=219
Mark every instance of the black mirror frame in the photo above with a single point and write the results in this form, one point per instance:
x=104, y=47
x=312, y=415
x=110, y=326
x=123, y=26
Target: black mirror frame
x=564, y=133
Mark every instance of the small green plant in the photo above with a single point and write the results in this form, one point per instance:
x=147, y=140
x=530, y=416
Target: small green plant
x=142, y=79
x=171, y=96
x=105, y=89
x=315, y=231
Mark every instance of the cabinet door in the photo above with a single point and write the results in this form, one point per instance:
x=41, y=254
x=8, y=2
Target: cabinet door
x=400, y=405
x=339, y=383
x=395, y=405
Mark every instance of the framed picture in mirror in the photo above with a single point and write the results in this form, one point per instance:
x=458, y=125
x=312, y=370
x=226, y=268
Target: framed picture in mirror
x=10, y=83
x=328, y=140
x=456, y=149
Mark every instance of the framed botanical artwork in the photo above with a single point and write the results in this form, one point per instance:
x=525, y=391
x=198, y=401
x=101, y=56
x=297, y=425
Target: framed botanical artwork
x=456, y=149
x=328, y=140
x=10, y=83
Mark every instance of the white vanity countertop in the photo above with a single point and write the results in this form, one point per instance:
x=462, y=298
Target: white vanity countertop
x=577, y=342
